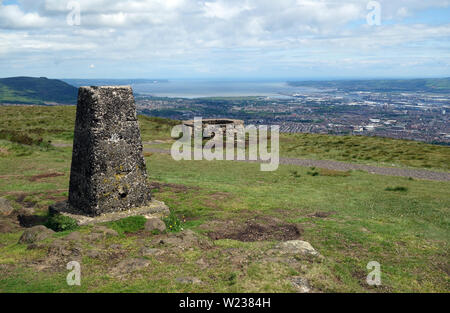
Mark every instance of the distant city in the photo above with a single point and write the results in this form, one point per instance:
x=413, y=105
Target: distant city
x=415, y=115
x=415, y=109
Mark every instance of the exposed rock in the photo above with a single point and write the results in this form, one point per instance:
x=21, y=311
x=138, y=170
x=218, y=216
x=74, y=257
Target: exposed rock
x=93, y=253
x=91, y=237
x=74, y=236
x=183, y=240
x=296, y=247
x=301, y=284
x=155, y=224
x=201, y=263
x=35, y=234
x=7, y=226
x=188, y=280
x=129, y=265
x=105, y=231
x=321, y=214
x=23, y=211
x=5, y=207
x=108, y=172
x=151, y=251
x=62, y=248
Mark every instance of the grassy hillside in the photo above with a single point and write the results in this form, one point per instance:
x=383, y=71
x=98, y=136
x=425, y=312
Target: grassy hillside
x=56, y=124
x=31, y=90
x=350, y=219
x=383, y=85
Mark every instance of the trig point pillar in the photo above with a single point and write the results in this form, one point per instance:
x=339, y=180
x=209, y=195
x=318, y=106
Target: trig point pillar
x=108, y=171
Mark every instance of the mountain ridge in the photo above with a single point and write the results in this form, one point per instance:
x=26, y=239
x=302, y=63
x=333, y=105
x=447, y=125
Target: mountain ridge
x=36, y=90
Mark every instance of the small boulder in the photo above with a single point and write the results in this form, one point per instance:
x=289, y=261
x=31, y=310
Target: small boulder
x=188, y=280
x=155, y=224
x=5, y=207
x=62, y=248
x=301, y=284
x=74, y=236
x=105, y=231
x=129, y=265
x=35, y=234
x=94, y=253
x=151, y=251
x=297, y=247
x=7, y=226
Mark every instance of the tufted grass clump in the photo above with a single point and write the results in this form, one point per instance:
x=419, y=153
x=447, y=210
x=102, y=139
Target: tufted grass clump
x=173, y=223
x=397, y=188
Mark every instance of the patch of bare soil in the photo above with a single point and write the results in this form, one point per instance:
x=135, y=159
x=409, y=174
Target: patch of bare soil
x=177, y=188
x=44, y=175
x=257, y=230
x=7, y=225
x=4, y=151
x=21, y=197
x=321, y=214
x=31, y=220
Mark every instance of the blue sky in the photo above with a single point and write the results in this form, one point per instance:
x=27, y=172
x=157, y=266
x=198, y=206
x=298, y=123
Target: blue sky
x=205, y=39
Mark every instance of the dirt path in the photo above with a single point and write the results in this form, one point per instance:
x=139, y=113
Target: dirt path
x=345, y=166
x=340, y=166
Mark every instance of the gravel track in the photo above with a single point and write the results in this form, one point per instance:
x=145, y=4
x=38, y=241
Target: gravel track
x=345, y=166
x=341, y=166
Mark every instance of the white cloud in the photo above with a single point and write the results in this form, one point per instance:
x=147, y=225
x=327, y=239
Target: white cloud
x=11, y=16
x=165, y=32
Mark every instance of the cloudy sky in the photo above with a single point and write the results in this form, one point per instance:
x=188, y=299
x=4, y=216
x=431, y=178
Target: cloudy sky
x=217, y=39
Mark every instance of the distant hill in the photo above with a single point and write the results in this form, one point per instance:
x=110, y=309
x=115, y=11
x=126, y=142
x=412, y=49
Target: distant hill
x=111, y=82
x=382, y=85
x=33, y=90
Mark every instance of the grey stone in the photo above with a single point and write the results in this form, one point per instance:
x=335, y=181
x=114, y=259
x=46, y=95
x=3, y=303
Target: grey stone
x=7, y=226
x=129, y=265
x=151, y=251
x=35, y=234
x=301, y=284
x=5, y=207
x=105, y=231
x=188, y=280
x=297, y=247
x=74, y=236
x=62, y=248
x=94, y=253
x=155, y=224
x=108, y=172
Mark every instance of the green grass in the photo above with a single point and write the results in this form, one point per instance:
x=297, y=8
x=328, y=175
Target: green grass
x=56, y=124
x=130, y=224
x=173, y=223
x=401, y=223
x=369, y=150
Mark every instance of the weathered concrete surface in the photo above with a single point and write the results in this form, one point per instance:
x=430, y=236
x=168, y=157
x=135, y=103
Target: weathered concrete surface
x=153, y=209
x=108, y=171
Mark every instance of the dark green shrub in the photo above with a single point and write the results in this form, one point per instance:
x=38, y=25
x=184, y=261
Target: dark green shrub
x=398, y=188
x=295, y=174
x=59, y=222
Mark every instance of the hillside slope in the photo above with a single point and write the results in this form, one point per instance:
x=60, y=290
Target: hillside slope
x=32, y=90
x=382, y=85
x=233, y=217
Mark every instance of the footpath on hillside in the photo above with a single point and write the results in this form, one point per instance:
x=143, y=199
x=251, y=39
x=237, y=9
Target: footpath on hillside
x=336, y=165
x=346, y=166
